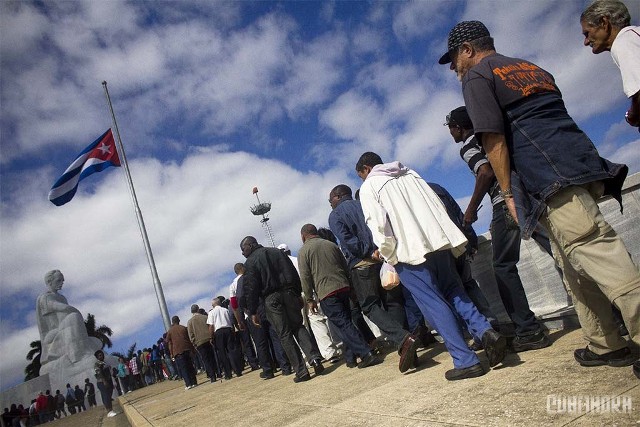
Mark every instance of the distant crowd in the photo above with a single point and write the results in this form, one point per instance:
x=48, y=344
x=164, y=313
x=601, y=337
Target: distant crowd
x=48, y=407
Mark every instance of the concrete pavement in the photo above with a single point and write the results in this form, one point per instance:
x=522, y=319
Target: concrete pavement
x=94, y=417
x=528, y=389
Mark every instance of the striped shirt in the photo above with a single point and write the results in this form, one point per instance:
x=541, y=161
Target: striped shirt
x=474, y=156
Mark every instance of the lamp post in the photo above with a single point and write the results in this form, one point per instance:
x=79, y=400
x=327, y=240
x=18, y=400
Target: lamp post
x=262, y=209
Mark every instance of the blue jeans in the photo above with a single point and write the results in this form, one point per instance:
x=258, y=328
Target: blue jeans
x=186, y=369
x=439, y=295
x=337, y=310
x=505, y=242
x=106, y=391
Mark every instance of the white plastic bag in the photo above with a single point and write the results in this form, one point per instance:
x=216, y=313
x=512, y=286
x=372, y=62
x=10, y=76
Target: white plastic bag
x=388, y=276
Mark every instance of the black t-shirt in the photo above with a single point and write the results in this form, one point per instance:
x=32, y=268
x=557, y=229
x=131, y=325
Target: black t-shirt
x=497, y=82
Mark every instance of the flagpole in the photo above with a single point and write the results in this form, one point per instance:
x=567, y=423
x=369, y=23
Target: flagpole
x=143, y=231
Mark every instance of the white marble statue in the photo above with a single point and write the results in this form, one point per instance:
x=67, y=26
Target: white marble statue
x=67, y=350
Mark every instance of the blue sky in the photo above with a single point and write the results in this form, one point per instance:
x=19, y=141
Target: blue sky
x=214, y=98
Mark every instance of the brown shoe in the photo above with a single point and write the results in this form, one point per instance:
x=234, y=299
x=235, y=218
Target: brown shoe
x=408, y=352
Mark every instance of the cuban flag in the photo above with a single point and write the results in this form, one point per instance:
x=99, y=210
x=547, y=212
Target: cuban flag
x=96, y=157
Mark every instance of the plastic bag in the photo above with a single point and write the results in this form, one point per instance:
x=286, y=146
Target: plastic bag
x=388, y=276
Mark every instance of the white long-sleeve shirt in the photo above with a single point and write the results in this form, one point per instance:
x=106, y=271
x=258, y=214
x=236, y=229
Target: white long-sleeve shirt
x=407, y=219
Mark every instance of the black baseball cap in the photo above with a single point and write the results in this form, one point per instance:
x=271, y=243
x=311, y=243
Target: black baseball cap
x=459, y=117
x=464, y=31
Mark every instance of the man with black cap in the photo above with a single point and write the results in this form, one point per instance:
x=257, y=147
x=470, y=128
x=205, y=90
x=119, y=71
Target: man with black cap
x=505, y=235
x=520, y=120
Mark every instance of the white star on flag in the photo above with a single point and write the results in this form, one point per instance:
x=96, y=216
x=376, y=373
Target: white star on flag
x=104, y=148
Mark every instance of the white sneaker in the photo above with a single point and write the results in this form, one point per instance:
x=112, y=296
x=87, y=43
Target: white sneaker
x=112, y=414
x=187, y=387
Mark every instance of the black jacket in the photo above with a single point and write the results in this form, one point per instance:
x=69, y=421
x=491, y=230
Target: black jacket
x=268, y=270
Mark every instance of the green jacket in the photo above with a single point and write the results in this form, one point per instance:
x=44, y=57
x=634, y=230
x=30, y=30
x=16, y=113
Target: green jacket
x=323, y=268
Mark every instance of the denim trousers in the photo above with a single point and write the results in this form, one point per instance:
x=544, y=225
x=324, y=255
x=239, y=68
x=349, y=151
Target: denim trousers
x=186, y=369
x=505, y=243
x=366, y=284
x=437, y=291
x=106, y=391
x=336, y=308
x=284, y=312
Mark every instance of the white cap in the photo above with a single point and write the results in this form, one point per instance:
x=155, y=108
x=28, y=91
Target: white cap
x=283, y=247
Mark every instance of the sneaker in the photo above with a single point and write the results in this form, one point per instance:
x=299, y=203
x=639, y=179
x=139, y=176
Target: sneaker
x=532, y=342
x=112, y=414
x=616, y=359
x=461, y=374
x=495, y=346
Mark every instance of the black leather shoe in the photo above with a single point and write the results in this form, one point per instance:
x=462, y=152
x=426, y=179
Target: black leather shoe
x=461, y=374
x=352, y=364
x=266, y=375
x=495, y=346
x=408, y=353
x=616, y=359
x=303, y=378
x=368, y=360
x=317, y=367
x=286, y=372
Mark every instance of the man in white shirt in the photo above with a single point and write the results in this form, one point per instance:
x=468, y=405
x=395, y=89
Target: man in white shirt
x=223, y=335
x=606, y=26
x=413, y=232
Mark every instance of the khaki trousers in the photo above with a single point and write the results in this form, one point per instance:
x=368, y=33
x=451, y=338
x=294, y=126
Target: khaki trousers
x=596, y=265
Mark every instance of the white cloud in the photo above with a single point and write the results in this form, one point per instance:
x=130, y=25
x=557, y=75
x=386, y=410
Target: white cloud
x=417, y=18
x=196, y=213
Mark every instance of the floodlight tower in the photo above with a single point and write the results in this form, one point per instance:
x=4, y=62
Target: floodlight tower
x=262, y=209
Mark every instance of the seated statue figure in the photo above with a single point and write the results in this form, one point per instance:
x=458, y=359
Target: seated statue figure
x=67, y=349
